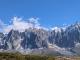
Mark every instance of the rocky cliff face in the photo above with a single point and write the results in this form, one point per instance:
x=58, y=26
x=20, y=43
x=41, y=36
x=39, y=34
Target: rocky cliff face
x=40, y=38
x=67, y=38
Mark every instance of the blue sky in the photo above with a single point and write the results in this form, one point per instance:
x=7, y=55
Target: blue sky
x=50, y=12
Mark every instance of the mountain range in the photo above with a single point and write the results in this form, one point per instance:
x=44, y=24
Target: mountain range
x=58, y=41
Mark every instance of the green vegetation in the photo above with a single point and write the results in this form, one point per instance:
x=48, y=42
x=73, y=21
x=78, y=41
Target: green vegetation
x=18, y=56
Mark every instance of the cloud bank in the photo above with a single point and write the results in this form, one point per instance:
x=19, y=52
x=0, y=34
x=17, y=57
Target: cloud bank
x=20, y=24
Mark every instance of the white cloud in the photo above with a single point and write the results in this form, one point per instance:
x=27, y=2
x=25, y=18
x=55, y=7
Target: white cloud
x=34, y=21
x=21, y=24
x=2, y=25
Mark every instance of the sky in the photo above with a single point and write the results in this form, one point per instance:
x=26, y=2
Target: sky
x=49, y=12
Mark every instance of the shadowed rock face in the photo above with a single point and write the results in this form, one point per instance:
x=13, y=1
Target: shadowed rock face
x=66, y=38
x=33, y=39
x=30, y=38
x=1, y=35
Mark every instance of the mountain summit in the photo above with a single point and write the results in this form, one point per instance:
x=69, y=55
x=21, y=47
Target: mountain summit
x=56, y=41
